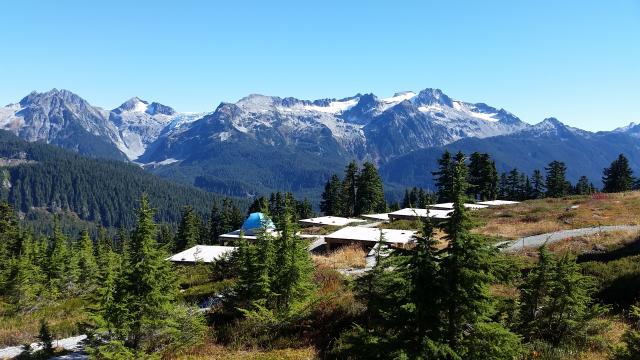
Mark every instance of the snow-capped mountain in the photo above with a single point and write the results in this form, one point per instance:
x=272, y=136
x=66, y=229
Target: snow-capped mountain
x=140, y=123
x=363, y=126
x=262, y=143
x=63, y=118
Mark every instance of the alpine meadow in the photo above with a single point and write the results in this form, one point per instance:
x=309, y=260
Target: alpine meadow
x=339, y=180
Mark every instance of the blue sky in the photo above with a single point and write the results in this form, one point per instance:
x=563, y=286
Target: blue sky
x=576, y=60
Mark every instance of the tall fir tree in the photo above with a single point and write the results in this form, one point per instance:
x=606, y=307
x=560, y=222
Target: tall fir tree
x=350, y=190
x=618, y=177
x=583, y=186
x=556, y=182
x=537, y=185
x=87, y=265
x=214, y=223
x=444, y=177
x=370, y=196
x=331, y=203
x=188, y=230
x=483, y=177
x=148, y=287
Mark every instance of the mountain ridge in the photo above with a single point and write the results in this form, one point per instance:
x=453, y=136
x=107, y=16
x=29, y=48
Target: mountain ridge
x=248, y=145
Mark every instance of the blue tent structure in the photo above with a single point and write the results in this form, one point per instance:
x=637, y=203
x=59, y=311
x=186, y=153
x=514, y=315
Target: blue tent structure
x=256, y=221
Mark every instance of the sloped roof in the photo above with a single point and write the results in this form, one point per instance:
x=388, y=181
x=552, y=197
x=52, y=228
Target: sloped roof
x=420, y=213
x=329, y=220
x=498, y=202
x=203, y=253
x=371, y=235
x=449, y=206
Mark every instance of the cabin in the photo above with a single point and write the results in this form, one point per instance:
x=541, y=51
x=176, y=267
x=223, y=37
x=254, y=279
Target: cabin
x=416, y=214
x=328, y=221
x=493, y=203
x=449, y=206
x=201, y=254
x=368, y=237
x=376, y=217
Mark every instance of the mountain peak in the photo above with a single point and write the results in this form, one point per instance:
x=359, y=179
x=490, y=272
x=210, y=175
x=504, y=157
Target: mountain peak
x=430, y=96
x=50, y=97
x=134, y=104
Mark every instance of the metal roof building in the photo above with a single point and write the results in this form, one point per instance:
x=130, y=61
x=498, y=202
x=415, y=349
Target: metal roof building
x=201, y=253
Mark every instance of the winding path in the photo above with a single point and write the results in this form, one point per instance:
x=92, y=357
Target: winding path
x=548, y=238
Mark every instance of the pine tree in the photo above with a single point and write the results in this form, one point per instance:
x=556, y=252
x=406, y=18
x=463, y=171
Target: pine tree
x=556, y=303
x=618, y=176
x=556, y=182
x=231, y=217
x=514, y=188
x=444, y=177
x=583, y=186
x=57, y=262
x=144, y=293
x=214, y=223
x=258, y=205
x=304, y=209
x=88, y=267
x=370, y=196
x=27, y=284
x=45, y=338
x=188, y=234
x=483, y=177
x=9, y=244
x=503, y=191
x=537, y=185
x=331, y=203
x=465, y=283
x=293, y=266
x=350, y=190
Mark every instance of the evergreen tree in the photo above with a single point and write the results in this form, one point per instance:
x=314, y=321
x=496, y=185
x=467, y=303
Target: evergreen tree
x=331, y=203
x=630, y=350
x=618, y=176
x=231, y=218
x=258, y=205
x=88, y=267
x=483, y=177
x=370, y=196
x=304, y=209
x=57, y=262
x=583, y=186
x=444, y=177
x=556, y=303
x=466, y=283
x=514, y=185
x=503, y=191
x=9, y=244
x=350, y=190
x=537, y=185
x=144, y=294
x=27, y=284
x=188, y=234
x=293, y=267
x=214, y=223
x=45, y=338
x=556, y=182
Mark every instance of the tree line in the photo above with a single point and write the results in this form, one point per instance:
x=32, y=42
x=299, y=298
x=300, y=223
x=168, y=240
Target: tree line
x=485, y=184
x=359, y=192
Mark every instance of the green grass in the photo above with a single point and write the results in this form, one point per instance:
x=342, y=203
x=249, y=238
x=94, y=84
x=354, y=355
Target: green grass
x=17, y=328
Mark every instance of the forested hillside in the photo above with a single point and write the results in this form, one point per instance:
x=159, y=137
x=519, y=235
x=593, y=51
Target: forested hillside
x=37, y=176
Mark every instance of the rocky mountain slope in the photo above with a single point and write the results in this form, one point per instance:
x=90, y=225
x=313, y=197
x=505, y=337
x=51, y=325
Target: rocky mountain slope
x=261, y=143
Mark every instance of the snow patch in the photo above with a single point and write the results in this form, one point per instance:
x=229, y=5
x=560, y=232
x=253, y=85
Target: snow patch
x=397, y=99
x=334, y=107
